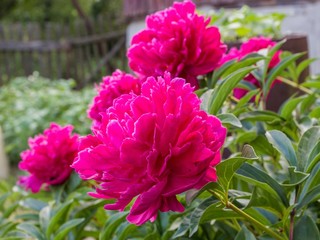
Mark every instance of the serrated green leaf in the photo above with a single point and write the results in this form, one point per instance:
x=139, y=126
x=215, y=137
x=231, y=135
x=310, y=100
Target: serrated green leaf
x=224, y=89
x=282, y=143
x=65, y=228
x=230, y=119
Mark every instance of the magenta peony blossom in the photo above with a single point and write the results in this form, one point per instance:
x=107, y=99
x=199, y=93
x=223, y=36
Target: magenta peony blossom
x=152, y=146
x=109, y=89
x=253, y=45
x=49, y=158
x=176, y=40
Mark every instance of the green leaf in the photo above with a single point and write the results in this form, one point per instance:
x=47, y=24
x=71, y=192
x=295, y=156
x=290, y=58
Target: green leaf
x=314, y=157
x=276, y=71
x=245, y=234
x=33, y=204
x=307, y=143
x=227, y=168
x=306, y=228
x=312, y=181
x=311, y=84
x=193, y=194
x=255, y=176
x=315, y=113
x=246, y=98
x=111, y=225
x=57, y=217
x=303, y=65
x=262, y=198
x=66, y=227
x=289, y=106
x=266, y=116
x=218, y=73
x=230, y=119
x=249, y=60
x=183, y=228
x=224, y=89
x=271, y=53
x=129, y=229
x=282, y=143
x=74, y=181
x=216, y=211
x=295, y=177
x=31, y=230
x=197, y=214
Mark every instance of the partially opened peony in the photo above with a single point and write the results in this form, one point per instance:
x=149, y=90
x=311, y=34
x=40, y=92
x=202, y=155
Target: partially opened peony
x=177, y=40
x=109, y=89
x=253, y=45
x=152, y=147
x=49, y=158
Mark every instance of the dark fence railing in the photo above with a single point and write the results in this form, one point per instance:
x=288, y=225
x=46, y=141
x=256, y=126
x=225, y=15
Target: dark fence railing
x=61, y=50
x=140, y=8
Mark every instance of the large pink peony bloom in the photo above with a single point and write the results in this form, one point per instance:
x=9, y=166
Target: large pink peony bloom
x=179, y=41
x=253, y=45
x=49, y=158
x=109, y=89
x=152, y=146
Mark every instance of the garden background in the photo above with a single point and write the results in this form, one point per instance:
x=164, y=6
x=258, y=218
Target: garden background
x=53, y=55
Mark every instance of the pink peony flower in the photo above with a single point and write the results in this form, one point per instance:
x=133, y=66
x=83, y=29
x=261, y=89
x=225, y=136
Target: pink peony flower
x=253, y=45
x=49, y=158
x=176, y=40
x=152, y=146
x=109, y=89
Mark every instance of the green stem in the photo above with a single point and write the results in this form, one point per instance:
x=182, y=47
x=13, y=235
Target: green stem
x=295, y=85
x=254, y=221
x=248, y=217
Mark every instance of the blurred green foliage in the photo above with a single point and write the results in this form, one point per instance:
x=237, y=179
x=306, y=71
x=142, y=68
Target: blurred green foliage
x=29, y=104
x=52, y=10
x=245, y=23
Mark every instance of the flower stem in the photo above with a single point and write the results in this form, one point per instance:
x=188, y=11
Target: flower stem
x=261, y=226
x=295, y=85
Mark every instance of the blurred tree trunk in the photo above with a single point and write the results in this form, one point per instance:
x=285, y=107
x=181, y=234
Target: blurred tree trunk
x=82, y=14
